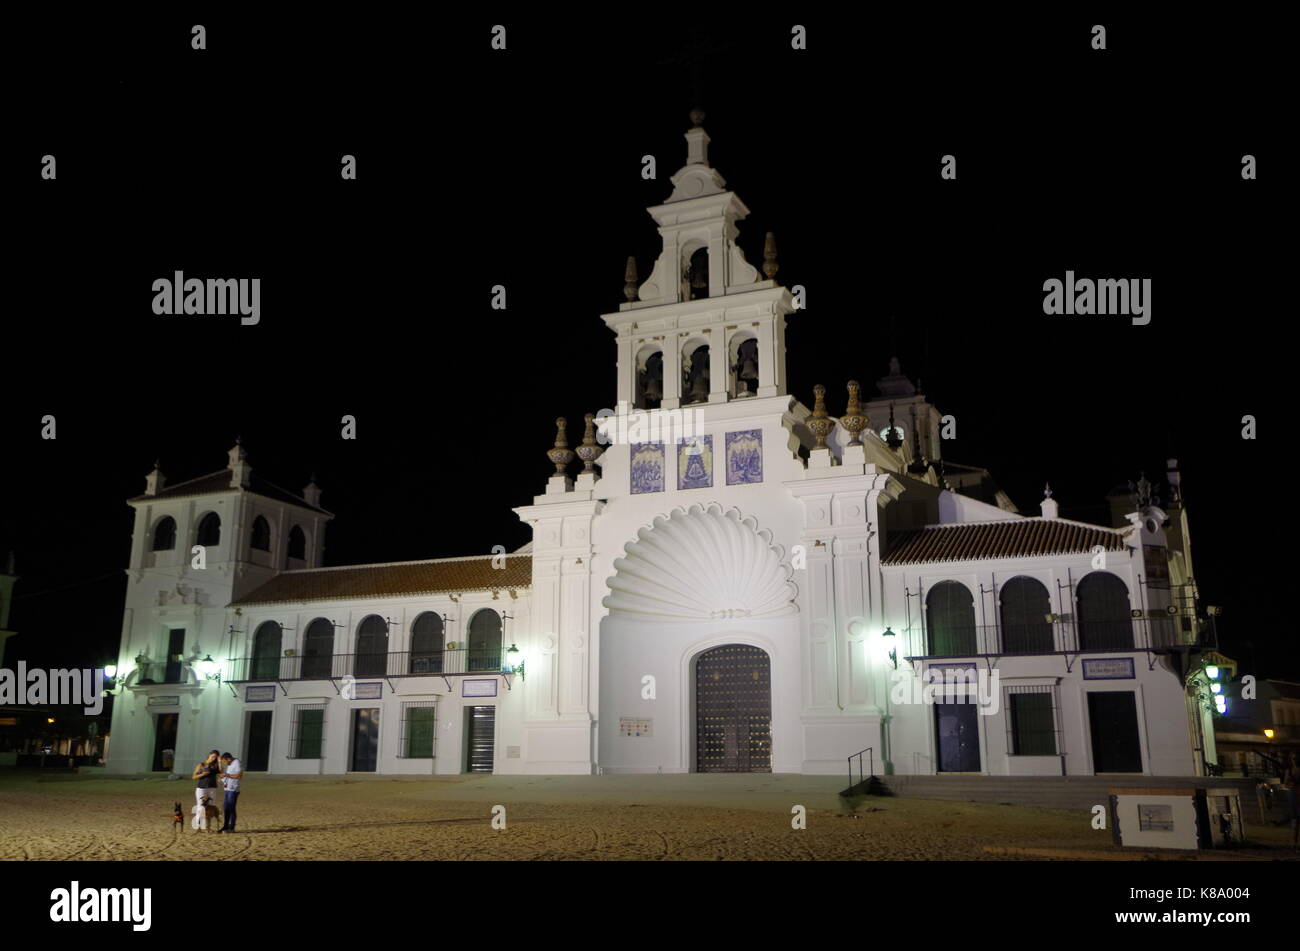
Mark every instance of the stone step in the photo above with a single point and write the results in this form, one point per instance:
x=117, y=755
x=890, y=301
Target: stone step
x=1052, y=792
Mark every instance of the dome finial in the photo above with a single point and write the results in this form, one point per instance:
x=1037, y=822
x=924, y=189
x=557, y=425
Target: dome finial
x=629, y=279
x=820, y=422
x=697, y=116
x=854, y=420
x=561, y=454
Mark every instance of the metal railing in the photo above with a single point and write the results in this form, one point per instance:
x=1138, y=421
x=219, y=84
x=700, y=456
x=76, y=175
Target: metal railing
x=309, y=666
x=871, y=762
x=1066, y=633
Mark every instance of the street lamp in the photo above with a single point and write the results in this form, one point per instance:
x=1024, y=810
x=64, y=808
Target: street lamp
x=515, y=661
x=893, y=652
x=209, y=668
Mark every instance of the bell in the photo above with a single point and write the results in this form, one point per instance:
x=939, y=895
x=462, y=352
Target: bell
x=699, y=388
x=749, y=369
x=654, y=392
x=698, y=381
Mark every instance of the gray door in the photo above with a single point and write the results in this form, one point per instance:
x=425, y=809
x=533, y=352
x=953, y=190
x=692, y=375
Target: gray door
x=480, y=731
x=365, y=740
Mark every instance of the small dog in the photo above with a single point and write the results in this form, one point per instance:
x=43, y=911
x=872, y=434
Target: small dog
x=206, y=816
x=177, y=816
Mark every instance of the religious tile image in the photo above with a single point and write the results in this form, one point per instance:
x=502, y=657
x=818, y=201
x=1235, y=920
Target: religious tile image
x=695, y=463
x=745, y=457
x=647, y=467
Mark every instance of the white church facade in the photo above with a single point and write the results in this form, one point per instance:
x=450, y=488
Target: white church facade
x=732, y=582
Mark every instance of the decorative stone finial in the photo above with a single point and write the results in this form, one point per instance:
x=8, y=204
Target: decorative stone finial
x=311, y=493
x=1048, y=506
x=155, y=480
x=1144, y=494
x=629, y=278
x=854, y=420
x=561, y=455
x=893, y=440
x=770, y=267
x=697, y=116
x=590, y=450
x=819, y=422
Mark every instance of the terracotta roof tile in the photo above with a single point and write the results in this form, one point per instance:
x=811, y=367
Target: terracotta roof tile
x=404, y=578
x=1021, y=538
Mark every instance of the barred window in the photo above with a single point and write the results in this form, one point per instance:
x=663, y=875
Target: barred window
x=1031, y=721
x=1025, y=609
x=418, y=721
x=308, y=739
x=950, y=612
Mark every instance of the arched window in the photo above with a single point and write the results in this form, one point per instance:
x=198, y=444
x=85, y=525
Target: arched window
x=164, y=535
x=745, y=369
x=426, y=644
x=1104, y=621
x=1025, y=609
x=695, y=375
x=209, y=530
x=298, y=543
x=261, y=534
x=649, y=378
x=266, y=651
x=318, y=650
x=697, y=274
x=372, y=648
x=485, y=641
x=950, y=617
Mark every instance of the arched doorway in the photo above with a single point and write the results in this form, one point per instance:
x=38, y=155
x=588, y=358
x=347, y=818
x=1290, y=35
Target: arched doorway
x=733, y=710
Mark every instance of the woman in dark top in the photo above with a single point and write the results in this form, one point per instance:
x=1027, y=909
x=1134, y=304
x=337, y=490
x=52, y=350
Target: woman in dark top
x=206, y=776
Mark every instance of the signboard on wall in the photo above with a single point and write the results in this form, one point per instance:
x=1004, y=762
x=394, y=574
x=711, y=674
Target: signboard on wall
x=164, y=701
x=263, y=694
x=635, y=726
x=367, y=691
x=478, y=688
x=1108, y=668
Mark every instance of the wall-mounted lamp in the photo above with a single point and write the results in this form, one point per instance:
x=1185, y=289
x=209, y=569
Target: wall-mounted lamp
x=515, y=661
x=1268, y=734
x=893, y=651
x=209, y=668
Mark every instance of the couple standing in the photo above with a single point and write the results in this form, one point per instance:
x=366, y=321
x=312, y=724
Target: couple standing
x=225, y=768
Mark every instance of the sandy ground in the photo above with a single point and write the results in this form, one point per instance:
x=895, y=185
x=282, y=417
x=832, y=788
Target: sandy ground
x=59, y=817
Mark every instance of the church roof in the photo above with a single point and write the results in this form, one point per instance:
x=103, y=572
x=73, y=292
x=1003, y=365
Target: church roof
x=219, y=481
x=352, y=582
x=1027, y=537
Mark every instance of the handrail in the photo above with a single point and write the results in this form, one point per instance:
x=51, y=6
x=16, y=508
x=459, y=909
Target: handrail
x=871, y=756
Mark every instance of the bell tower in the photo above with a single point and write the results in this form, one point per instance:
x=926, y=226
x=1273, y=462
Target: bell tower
x=704, y=327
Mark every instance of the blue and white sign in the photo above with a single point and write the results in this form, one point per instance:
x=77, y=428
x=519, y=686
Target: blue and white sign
x=1108, y=668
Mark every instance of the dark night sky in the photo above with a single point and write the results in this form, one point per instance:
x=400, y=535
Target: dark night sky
x=523, y=168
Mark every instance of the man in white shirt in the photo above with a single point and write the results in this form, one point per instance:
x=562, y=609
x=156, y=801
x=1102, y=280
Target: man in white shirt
x=231, y=771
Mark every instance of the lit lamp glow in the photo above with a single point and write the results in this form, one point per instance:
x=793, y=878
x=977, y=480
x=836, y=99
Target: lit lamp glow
x=1212, y=673
x=1221, y=703
x=893, y=651
x=209, y=668
x=110, y=671
x=1216, y=688
x=1268, y=734
x=515, y=661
